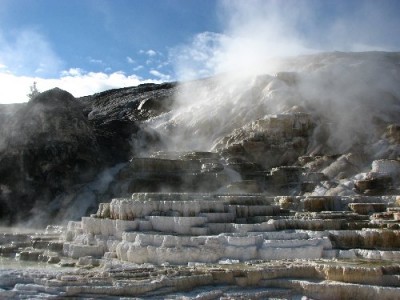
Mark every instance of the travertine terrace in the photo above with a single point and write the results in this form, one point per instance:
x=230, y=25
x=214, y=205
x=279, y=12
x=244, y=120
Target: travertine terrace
x=254, y=243
x=283, y=201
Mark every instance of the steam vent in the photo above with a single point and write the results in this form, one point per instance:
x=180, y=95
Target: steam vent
x=281, y=186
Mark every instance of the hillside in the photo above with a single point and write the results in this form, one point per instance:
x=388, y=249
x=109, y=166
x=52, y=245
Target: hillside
x=239, y=186
x=345, y=107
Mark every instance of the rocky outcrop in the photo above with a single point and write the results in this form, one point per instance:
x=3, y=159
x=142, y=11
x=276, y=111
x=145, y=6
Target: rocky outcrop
x=273, y=141
x=7, y=112
x=134, y=103
x=50, y=146
x=116, y=117
x=55, y=144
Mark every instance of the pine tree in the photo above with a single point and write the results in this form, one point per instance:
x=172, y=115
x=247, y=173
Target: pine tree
x=34, y=91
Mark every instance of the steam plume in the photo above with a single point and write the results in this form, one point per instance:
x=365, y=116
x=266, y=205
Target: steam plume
x=352, y=93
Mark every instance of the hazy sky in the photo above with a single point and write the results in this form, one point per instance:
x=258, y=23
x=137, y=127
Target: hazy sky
x=87, y=46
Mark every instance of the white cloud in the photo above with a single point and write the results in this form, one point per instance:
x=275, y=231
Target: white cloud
x=154, y=58
x=138, y=68
x=76, y=81
x=73, y=72
x=151, y=52
x=95, y=61
x=130, y=60
x=158, y=74
x=163, y=64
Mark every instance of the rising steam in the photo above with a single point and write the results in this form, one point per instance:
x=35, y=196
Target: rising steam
x=352, y=93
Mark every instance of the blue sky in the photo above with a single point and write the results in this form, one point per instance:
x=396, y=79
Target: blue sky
x=86, y=46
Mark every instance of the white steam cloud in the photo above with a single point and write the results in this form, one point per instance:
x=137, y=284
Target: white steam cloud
x=256, y=30
x=352, y=93
x=28, y=52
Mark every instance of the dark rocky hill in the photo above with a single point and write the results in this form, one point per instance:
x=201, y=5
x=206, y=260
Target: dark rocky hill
x=55, y=142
